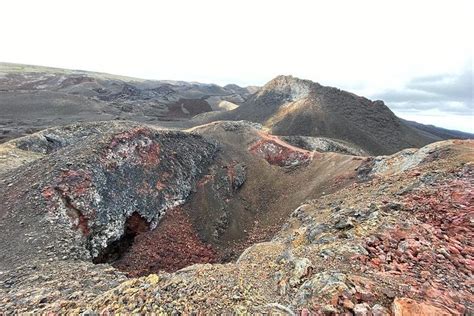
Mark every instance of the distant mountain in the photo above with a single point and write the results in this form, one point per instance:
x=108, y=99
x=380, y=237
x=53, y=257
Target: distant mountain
x=294, y=107
x=434, y=131
x=33, y=98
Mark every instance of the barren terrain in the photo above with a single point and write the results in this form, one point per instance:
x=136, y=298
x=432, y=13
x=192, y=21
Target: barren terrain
x=138, y=197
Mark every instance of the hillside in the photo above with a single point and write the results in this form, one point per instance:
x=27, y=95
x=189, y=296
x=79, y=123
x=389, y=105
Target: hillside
x=33, y=98
x=290, y=106
x=146, y=200
x=297, y=229
x=442, y=133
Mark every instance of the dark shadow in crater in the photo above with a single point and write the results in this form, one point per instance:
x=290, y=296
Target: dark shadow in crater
x=134, y=226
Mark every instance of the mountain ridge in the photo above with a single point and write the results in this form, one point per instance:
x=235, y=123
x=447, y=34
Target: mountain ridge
x=290, y=106
x=286, y=106
x=33, y=98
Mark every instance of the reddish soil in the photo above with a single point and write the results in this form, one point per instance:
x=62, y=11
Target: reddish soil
x=278, y=152
x=136, y=224
x=173, y=245
x=435, y=255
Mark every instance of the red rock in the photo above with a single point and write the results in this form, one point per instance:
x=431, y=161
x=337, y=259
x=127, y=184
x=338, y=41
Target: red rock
x=432, y=292
x=376, y=261
x=278, y=152
x=334, y=299
x=401, y=266
x=408, y=307
x=171, y=247
x=348, y=304
x=305, y=312
x=48, y=193
x=454, y=250
x=425, y=274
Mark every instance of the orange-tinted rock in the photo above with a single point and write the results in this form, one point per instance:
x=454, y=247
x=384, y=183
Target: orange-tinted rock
x=408, y=307
x=278, y=152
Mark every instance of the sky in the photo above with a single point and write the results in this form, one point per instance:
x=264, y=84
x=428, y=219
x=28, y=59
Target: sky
x=415, y=55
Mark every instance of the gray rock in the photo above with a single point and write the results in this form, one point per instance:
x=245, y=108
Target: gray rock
x=379, y=310
x=326, y=283
x=344, y=223
x=302, y=269
x=362, y=309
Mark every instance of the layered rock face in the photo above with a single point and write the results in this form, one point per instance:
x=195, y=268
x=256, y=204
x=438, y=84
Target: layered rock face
x=139, y=172
x=96, y=184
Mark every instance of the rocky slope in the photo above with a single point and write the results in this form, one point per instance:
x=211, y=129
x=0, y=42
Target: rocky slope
x=322, y=144
x=227, y=217
x=33, y=98
x=325, y=232
x=398, y=242
x=293, y=107
x=147, y=200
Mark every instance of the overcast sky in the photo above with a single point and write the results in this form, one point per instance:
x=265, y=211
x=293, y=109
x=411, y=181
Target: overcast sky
x=415, y=55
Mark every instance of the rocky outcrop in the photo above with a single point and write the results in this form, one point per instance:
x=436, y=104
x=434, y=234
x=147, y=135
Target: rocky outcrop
x=104, y=179
x=279, y=153
x=138, y=172
x=406, y=306
x=322, y=144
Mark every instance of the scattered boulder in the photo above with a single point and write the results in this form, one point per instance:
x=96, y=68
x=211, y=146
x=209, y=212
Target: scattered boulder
x=362, y=310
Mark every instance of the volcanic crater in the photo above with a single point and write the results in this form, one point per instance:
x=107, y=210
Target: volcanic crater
x=125, y=217
x=146, y=200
